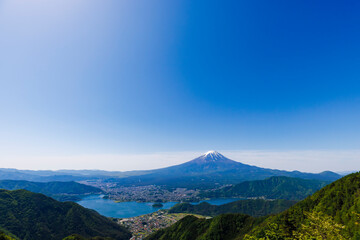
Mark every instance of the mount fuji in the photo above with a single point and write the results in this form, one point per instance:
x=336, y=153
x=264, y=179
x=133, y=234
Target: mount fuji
x=213, y=169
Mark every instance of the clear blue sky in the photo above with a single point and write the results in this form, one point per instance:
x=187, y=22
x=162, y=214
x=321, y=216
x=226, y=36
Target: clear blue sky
x=132, y=77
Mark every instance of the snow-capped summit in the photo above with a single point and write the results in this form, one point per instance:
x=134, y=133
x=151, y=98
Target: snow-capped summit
x=212, y=155
x=211, y=161
x=211, y=152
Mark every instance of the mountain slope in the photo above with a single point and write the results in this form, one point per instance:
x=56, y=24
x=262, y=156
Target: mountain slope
x=213, y=169
x=331, y=213
x=33, y=216
x=339, y=202
x=255, y=208
x=224, y=227
x=278, y=187
x=63, y=175
x=37, y=176
x=57, y=190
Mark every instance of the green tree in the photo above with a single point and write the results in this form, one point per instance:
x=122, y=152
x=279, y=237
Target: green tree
x=319, y=226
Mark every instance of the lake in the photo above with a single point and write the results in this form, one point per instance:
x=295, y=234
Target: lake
x=110, y=208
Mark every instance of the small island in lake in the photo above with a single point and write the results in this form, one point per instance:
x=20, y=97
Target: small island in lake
x=157, y=205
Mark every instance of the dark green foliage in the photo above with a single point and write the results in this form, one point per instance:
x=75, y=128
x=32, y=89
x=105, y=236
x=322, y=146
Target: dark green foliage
x=223, y=227
x=33, y=216
x=270, y=188
x=4, y=236
x=79, y=237
x=74, y=237
x=187, y=228
x=256, y=208
x=62, y=191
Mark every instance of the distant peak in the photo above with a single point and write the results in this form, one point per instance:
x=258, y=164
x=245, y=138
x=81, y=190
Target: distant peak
x=212, y=156
x=211, y=152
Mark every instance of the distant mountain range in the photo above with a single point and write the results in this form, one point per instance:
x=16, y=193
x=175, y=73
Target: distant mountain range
x=213, y=169
x=62, y=175
x=63, y=191
x=278, y=187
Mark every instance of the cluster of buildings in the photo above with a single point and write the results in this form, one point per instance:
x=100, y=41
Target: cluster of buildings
x=144, y=225
x=149, y=193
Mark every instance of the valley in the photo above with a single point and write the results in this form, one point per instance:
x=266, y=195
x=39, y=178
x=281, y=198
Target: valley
x=240, y=195
x=110, y=208
x=179, y=120
x=147, y=193
x=331, y=213
x=211, y=175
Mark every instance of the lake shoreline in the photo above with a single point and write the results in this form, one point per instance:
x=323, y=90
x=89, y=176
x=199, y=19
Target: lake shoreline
x=110, y=208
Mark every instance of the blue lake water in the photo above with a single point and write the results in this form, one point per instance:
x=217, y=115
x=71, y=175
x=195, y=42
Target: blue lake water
x=110, y=208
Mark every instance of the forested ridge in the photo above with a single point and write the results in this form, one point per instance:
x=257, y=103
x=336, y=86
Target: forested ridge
x=278, y=187
x=33, y=216
x=61, y=191
x=253, y=207
x=331, y=213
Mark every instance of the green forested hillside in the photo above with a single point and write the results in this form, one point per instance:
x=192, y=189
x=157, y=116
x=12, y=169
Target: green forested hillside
x=223, y=227
x=271, y=188
x=255, y=208
x=33, y=216
x=331, y=213
x=57, y=190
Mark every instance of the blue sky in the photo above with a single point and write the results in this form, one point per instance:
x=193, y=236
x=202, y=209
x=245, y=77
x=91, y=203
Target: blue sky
x=121, y=78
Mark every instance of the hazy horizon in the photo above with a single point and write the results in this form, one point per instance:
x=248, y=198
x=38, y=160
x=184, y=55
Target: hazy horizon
x=283, y=160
